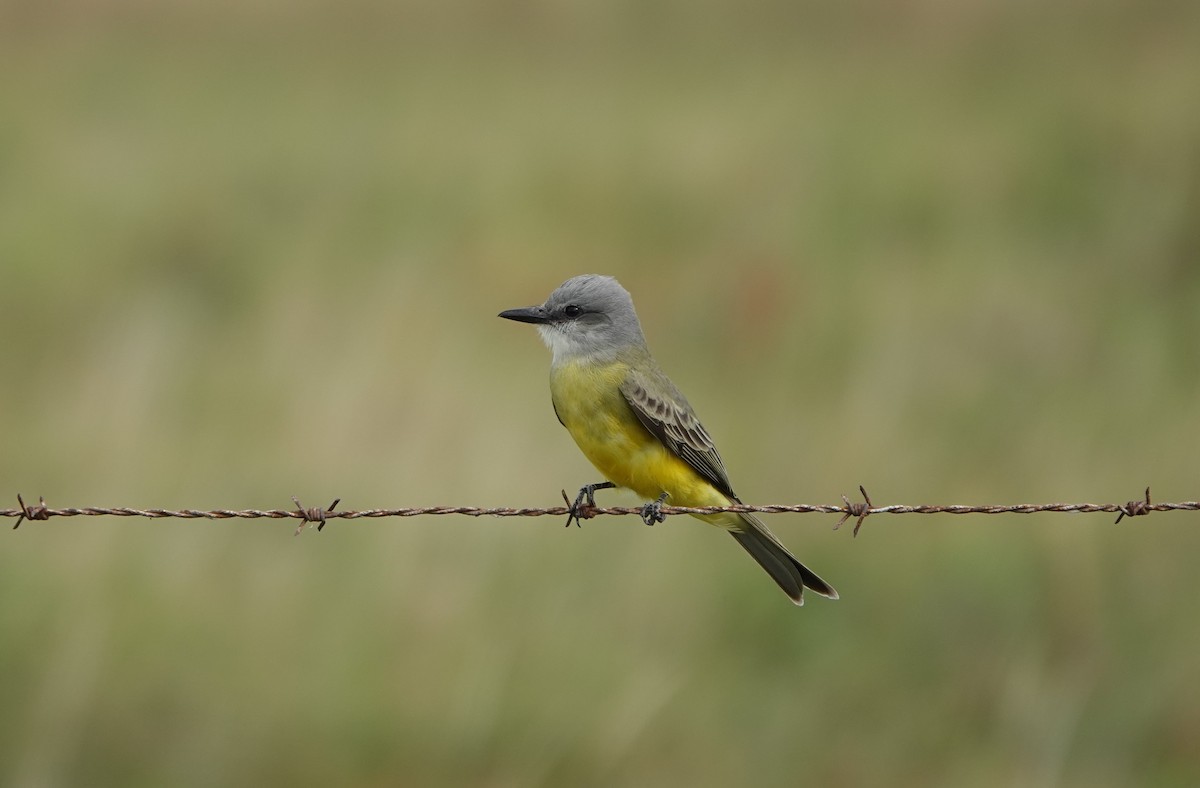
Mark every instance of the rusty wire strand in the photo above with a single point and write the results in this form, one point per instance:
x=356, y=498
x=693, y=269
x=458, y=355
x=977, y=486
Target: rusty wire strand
x=319, y=517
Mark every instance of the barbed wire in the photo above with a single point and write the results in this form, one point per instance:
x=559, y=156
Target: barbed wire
x=320, y=516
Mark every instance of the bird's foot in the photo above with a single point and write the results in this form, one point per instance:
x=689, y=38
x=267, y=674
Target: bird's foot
x=652, y=512
x=584, y=502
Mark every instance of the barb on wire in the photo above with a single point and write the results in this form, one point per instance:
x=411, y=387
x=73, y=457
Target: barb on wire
x=860, y=510
x=1135, y=508
x=27, y=512
x=314, y=515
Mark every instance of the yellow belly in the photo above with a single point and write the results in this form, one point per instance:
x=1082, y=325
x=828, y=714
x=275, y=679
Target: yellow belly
x=588, y=400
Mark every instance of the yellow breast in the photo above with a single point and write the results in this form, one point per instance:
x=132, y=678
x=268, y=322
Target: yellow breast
x=588, y=400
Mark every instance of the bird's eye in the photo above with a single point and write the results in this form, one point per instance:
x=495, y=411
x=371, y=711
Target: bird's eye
x=572, y=310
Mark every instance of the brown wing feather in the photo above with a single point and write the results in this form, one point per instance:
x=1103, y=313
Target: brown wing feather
x=666, y=414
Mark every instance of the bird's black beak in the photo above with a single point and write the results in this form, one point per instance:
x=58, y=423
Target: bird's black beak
x=528, y=314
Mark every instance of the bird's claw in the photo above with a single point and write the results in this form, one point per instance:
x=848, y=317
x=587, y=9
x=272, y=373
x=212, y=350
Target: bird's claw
x=580, y=509
x=652, y=512
x=584, y=503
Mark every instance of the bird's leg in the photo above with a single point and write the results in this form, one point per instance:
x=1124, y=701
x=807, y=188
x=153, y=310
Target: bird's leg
x=652, y=512
x=588, y=492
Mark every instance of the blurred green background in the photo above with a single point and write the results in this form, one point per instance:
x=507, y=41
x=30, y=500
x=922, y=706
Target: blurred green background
x=250, y=250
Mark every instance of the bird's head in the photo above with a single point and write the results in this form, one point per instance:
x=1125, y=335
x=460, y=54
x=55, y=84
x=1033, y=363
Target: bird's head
x=588, y=317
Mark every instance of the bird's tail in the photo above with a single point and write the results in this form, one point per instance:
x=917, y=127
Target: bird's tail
x=791, y=575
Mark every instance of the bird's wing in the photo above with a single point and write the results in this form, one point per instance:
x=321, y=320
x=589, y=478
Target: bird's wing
x=663, y=411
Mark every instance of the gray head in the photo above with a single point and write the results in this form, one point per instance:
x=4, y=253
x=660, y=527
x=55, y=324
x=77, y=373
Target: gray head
x=587, y=316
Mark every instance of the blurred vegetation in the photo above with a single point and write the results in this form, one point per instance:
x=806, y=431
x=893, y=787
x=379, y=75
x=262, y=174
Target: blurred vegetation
x=253, y=249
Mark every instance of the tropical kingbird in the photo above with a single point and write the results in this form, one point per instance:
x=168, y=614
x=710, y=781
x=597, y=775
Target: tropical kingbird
x=633, y=424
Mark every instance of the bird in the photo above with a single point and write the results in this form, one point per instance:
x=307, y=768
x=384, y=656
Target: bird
x=636, y=427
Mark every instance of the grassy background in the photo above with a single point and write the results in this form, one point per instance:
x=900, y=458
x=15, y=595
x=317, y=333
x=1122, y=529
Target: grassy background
x=251, y=250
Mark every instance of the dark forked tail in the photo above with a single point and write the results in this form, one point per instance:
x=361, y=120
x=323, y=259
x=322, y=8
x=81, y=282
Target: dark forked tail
x=791, y=575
